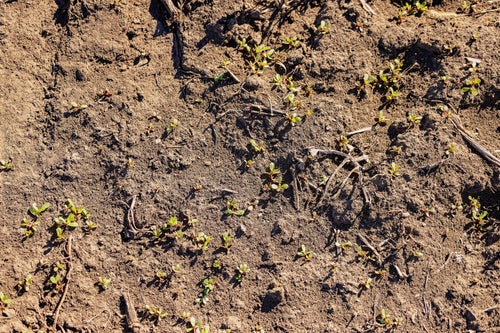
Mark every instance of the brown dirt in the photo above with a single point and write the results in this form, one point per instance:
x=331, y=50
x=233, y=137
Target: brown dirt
x=138, y=70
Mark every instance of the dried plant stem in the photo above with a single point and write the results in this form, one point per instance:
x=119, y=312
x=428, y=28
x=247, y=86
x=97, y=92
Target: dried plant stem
x=55, y=314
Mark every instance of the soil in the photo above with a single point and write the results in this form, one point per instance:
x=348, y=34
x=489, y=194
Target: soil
x=145, y=117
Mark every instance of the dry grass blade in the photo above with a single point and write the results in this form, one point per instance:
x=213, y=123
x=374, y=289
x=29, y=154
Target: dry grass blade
x=457, y=122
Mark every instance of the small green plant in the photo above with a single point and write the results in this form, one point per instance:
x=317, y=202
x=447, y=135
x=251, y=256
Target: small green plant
x=216, y=265
x=71, y=216
x=241, y=272
x=256, y=148
x=381, y=119
x=76, y=107
x=363, y=255
x=293, y=119
x=36, y=212
x=304, y=253
x=381, y=273
x=155, y=314
x=172, y=126
x=385, y=319
x=394, y=170
x=291, y=41
x=277, y=80
x=343, y=246
x=367, y=284
x=57, y=283
x=471, y=86
x=201, y=241
x=451, y=149
x=413, y=120
x=24, y=284
x=194, y=325
x=392, y=94
x=386, y=81
x=417, y=254
x=273, y=173
x=30, y=225
x=6, y=165
x=227, y=241
x=342, y=143
x=208, y=286
x=161, y=276
x=233, y=208
x=417, y=9
x=4, y=300
x=279, y=186
x=89, y=226
x=103, y=283
x=323, y=28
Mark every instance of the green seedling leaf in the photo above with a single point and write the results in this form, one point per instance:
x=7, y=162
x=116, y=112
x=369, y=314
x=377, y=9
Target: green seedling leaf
x=36, y=212
x=6, y=166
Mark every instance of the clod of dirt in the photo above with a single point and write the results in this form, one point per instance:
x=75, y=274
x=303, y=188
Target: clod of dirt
x=233, y=323
x=253, y=83
x=272, y=298
x=9, y=313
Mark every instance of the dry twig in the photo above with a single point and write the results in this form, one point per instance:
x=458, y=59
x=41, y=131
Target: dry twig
x=133, y=322
x=457, y=122
x=69, y=252
x=347, y=159
x=368, y=245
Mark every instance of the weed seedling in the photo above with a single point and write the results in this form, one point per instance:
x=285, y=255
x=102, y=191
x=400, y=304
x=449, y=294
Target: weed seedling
x=103, y=283
x=343, y=246
x=394, y=170
x=381, y=119
x=384, y=319
x=57, y=283
x=291, y=42
x=417, y=254
x=24, y=285
x=451, y=149
x=342, y=143
x=293, y=119
x=216, y=265
x=304, y=253
x=208, y=285
x=241, y=272
x=279, y=187
x=77, y=107
x=30, y=225
x=471, y=86
x=256, y=148
x=227, y=241
x=6, y=165
x=381, y=274
x=233, y=208
x=413, y=120
x=155, y=314
x=363, y=255
x=277, y=80
x=89, y=226
x=36, y=212
x=273, y=172
x=367, y=284
x=4, y=300
x=392, y=94
x=201, y=241
x=323, y=28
